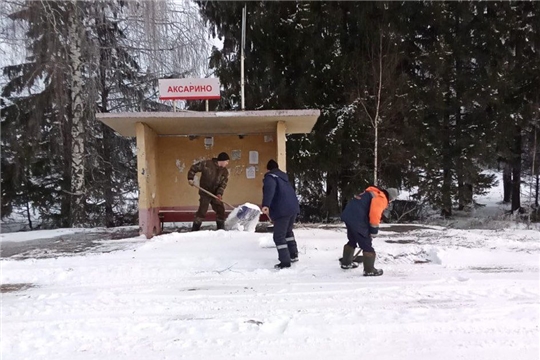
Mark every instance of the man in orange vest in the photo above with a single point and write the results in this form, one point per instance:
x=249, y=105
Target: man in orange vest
x=362, y=216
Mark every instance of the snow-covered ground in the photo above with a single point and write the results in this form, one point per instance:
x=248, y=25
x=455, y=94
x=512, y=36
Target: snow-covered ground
x=23, y=236
x=445, y=294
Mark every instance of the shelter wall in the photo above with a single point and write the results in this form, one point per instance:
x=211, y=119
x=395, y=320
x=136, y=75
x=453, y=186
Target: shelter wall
x=176, y=154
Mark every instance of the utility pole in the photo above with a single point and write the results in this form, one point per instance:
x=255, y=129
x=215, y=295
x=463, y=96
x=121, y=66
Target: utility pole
x=242, y=56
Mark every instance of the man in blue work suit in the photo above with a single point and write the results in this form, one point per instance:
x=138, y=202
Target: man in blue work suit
x=280, y=204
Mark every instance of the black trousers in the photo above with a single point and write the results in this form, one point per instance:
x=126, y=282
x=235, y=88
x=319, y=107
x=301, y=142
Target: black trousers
x=284, y=238
x=356, y=238
x=217, y=206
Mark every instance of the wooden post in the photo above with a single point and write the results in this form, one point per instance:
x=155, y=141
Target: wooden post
x=281, y=139
x=149, y=224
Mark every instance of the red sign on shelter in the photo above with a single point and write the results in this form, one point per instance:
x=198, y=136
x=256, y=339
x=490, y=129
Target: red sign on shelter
x=189, y=89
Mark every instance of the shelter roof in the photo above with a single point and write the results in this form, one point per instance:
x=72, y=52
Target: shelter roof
x=214, y=123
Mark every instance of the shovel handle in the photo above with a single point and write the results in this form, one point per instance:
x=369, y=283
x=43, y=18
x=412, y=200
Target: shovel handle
x=212, y=195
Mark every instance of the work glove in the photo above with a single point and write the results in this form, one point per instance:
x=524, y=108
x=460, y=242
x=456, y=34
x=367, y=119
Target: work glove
x=265, y=210
x=191, y=182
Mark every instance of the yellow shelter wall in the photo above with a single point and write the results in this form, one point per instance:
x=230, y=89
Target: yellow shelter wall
x=176, y=154
x=146, y=166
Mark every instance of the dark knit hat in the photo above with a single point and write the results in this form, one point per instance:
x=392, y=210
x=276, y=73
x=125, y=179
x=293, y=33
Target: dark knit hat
x=223, y=156
x=272, y=164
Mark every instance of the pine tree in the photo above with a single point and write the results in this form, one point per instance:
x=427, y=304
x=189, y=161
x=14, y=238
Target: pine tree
x=35, y=117
x=451, y=92
x=514, y=55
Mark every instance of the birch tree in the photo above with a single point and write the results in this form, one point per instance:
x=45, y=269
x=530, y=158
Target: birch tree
x=379, y=86
x=78, y=128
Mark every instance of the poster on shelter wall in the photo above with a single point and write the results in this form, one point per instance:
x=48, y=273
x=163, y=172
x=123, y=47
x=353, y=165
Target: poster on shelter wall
x=251, y=172
x=253, y=157
x=208, y=142
x=236, y=154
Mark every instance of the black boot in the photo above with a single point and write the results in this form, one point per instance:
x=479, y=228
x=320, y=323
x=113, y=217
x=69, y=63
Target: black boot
x=357, y=259
x=293, y=247
x=369, y=262
x=220, y=225
x=196, y=226
x=347, y=259
x=282, y=266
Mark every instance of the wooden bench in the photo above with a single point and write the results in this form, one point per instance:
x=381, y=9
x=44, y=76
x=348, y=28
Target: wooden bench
x=185, y=214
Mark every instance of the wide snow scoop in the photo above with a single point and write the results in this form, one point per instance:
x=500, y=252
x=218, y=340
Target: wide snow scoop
x=243, y=218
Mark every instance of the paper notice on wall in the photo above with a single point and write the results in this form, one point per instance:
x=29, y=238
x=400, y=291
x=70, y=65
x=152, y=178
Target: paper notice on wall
x=253, y=157
x=250, y=172
x=236, y=154
x=268, y=138
x=208, y=142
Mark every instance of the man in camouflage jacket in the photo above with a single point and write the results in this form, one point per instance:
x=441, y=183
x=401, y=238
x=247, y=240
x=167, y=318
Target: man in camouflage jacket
x=214, y=177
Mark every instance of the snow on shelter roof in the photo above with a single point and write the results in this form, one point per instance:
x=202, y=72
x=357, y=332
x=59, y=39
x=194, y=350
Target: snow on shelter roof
x=202, y=123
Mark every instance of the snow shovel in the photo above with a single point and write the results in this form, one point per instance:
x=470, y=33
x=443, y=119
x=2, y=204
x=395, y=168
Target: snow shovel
x=357, y=258
x=243, y=218
x=212, y=195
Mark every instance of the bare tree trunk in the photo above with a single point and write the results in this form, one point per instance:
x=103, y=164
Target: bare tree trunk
x=516, y=170
x=375, y=119
x=78, y=128
x=331, y=204
x=464, y=190
x=28, y=216
x=507, y=182
x=108, y=171
x=376, y=153
x=537, y=190
x=377, y=111
x=65, y=204
x=446, y=190
x=534, y=170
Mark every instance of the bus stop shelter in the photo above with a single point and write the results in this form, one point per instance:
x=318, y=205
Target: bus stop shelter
x=168, y=143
